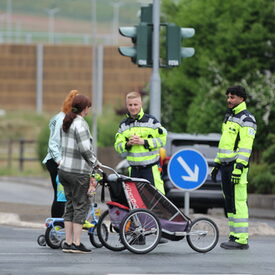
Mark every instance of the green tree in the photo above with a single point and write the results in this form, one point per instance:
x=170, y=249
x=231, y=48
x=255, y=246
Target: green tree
x=205, y=114
x=234, y=43
x=107, y=127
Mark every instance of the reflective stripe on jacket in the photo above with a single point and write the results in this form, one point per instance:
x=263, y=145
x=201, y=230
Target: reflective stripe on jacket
x=238, y=133
x=148, y=128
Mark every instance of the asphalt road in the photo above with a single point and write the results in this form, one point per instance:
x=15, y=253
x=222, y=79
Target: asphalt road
x=31, y=202
x=21, y=192
x=27, y=205
x=20, y=254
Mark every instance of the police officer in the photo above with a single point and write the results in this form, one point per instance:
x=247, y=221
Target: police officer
x=139, y=138
x=235, y=146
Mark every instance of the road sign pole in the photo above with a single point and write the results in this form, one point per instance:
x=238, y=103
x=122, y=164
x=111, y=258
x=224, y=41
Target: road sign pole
x=186, y=203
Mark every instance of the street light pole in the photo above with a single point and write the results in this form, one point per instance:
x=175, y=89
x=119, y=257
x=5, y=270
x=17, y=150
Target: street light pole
x=9, y=20
x=155, y=89
x=116, y=5
x=51, y=23
x=94, y=21
x=94, y=75
x=2, y=36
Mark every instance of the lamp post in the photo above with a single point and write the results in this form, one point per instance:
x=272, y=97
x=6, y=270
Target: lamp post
x=9, y=20
x=51, y=23
x=94, y=21
x=116, y=6
x=94, y=75
x=155, y=89
x=2, y=18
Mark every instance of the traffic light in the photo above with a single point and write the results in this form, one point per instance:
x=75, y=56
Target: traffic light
x=174, y=51
x=146, y=14
x=129, y=51
x=141, y=52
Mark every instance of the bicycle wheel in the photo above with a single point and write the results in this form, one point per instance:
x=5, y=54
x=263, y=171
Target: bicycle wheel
x=41, y=240
x=54, y=235
x=140, y=231
x=111, y=239
x=94, y=239
x=203, y=235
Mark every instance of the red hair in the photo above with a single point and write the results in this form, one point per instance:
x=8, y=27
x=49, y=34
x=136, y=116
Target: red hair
x=67, y=104
x=79, y=103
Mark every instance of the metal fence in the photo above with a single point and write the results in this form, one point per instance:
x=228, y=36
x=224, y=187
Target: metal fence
x=23, y=37
x=17, y=152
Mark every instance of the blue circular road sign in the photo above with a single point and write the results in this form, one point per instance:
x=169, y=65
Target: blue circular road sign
x=187, y=169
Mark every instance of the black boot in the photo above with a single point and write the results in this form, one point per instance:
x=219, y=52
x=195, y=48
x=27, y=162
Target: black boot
x=233, y=245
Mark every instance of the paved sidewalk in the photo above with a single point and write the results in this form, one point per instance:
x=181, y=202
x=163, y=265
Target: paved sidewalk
x=262, y=213
x=43, y=182
x=260, y=206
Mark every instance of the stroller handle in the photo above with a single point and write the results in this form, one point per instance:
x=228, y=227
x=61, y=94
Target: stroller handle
x=108, y=168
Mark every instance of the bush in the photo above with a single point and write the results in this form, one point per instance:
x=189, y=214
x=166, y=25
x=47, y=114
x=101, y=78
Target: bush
x=261, y=176
x=107, y=128
x=269, y=153
x=261, y=180
x=42, y=143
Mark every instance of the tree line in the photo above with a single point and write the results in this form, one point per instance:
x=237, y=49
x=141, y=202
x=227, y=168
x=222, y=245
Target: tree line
x=234, y=44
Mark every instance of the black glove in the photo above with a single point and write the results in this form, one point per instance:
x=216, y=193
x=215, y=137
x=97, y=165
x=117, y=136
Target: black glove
x=236, y=173
x=215, y=171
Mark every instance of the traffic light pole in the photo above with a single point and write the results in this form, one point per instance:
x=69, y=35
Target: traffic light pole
x=155, y=87
x=146, y=49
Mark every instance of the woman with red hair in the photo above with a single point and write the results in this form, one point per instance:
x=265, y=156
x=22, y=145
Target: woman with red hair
x=53, y=156
x=77, y=164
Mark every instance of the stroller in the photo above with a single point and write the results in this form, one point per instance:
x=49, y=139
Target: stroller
x=138, y=215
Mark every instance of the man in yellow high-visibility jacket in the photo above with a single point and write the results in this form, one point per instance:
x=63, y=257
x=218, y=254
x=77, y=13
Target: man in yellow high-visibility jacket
x=139, y=139
x=235, y=146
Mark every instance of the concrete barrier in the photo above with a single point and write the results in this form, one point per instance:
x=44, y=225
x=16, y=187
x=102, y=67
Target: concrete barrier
x=261, y=201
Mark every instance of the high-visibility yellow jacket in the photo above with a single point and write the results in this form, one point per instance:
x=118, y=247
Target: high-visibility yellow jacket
x=238, y=133
x=146, y=127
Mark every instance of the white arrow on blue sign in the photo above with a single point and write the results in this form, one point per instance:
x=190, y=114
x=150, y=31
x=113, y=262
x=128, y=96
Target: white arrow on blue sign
x=187, y=169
